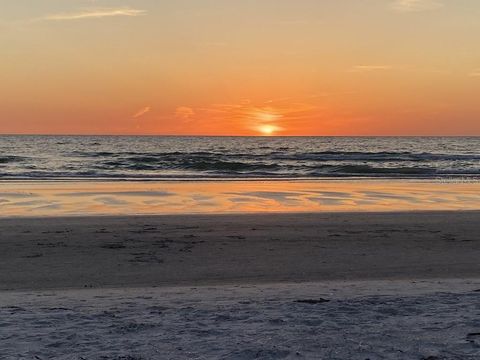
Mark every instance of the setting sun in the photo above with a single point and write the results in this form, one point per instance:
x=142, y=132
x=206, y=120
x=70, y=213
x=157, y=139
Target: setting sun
x=268, y=130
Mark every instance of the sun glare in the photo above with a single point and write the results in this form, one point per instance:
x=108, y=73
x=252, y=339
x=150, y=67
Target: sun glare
x=268, y=130
x=265, y=121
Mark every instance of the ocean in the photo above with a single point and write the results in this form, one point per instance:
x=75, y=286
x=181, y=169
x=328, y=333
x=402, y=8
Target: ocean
x=199, y=158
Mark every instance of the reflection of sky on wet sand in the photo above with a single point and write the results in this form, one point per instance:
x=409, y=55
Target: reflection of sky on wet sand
x=119, y=198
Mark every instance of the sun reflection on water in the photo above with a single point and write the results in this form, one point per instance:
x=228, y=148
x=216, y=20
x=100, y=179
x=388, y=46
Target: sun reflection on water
x=126, y=198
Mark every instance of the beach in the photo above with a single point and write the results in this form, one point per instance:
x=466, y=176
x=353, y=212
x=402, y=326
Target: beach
x=239, y=180
x=242, y=286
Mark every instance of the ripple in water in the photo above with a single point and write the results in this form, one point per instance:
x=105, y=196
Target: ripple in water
x=123, y=157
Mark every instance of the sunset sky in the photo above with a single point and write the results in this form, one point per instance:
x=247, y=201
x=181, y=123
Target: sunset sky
x=240, y=67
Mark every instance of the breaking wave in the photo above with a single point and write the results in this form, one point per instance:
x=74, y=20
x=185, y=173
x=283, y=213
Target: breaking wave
x=205, y=157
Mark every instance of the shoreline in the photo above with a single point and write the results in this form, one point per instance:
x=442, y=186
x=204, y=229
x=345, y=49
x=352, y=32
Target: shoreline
x=56, y=199
x=448, y=178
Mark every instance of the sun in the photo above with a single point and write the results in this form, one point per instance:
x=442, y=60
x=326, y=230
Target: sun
x=264, y=120
x=268, y=130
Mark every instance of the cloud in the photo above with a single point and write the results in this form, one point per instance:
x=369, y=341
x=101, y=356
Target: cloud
x=370, y=68
x=475, y=73
x=184, y=113
x=142, y=112
x=266, y=117
x=95, y=14
x=416, y=5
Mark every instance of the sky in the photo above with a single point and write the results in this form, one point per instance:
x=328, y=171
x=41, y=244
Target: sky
x=240, y=67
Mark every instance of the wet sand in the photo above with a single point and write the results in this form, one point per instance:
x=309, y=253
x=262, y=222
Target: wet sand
x=123, y=198
x=100, y=252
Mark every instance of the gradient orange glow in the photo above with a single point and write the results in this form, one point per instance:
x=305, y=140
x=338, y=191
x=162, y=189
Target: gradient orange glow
x=240, y=67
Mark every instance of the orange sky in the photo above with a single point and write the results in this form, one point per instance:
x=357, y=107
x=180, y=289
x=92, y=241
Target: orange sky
x=240, y=67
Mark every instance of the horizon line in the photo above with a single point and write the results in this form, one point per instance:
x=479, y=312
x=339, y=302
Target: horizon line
x=252, y=136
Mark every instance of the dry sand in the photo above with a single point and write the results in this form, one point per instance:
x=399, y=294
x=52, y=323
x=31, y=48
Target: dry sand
x=290, y=286
x=353, y=320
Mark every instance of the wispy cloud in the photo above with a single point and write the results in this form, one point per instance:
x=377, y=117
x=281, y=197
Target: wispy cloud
x=95, y=13
x=269, y=113
x=184, y=113
x=416, y=5
x=142, y=112
x=475, y=73
x=245, y=116
x=370, y=68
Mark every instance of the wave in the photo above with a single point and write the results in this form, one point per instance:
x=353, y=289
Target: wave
x=374, y=156
x=305, y=164
x=236, y=171
x=359, y=170
x=197, y=158
x=5, y=159
x=284, y=155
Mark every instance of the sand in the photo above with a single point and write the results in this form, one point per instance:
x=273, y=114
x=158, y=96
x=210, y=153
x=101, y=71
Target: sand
x=48, y=253
x=356, y=320
x=91, y=198
x=271, y=286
